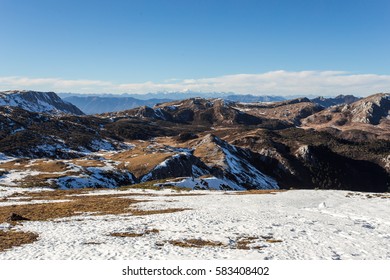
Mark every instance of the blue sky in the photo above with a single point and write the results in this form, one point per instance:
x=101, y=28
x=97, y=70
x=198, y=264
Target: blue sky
x=139, y=46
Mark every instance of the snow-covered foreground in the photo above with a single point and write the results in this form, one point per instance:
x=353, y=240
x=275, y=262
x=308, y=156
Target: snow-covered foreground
x=297, y=224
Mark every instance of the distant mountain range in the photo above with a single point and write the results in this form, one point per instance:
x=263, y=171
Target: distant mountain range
x=176, y=95
x=103, y=104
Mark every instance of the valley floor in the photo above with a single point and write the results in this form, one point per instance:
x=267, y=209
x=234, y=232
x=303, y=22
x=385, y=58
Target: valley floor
x=295, y=224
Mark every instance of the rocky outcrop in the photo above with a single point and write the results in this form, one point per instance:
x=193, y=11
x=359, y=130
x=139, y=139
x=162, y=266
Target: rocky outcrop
x=232, y=163
x=370, y=110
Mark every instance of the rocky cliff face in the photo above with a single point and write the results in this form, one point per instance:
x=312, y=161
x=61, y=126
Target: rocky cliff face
x=370, y=110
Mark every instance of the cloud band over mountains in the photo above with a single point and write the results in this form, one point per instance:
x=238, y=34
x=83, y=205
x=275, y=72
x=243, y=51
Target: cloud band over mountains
x=269, y=83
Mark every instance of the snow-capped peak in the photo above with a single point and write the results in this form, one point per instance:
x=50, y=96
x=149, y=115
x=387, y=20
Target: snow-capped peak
x=41, y=102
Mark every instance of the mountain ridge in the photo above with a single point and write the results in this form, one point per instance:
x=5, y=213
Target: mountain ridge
x=41, y=102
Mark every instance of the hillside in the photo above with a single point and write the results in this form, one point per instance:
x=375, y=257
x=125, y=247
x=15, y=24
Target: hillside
x=40, y=102
x=364, y=119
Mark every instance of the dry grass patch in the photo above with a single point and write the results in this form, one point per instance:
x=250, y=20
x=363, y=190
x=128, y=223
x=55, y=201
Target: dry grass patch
x=209, y=153
x=248, y=242
x=18, y=164
x=143, y=186
x=171, y=142
x=40, y=165
x=155, y=185
x=49, y=166
x=66, y=195
x=140, y=160
x=195, y=243
x=105, y=204
x=258, y=192
x=92, y=243
x=243, y=243
x=273, y=240
x=49, y=195
x=126, y=234
x=383, y=196
x=124, y=155
x=88, y=163
x=9, y=239
x=101, y=205
x=40, y=180
x=134, y=234
x=186, y=194
x=136, y=212
x=143, y=164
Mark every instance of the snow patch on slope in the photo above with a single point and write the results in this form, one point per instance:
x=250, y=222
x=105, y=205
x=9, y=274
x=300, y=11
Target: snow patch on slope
x=245, y=173
x=14, y=177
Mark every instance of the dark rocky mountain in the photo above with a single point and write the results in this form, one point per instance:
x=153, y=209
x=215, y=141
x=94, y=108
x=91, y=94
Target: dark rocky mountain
x=29, y=134
x=288, y=144
x=41, y=102
x=332, y=101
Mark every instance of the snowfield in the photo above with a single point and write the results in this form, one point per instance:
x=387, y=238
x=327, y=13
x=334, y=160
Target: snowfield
x=296, y=224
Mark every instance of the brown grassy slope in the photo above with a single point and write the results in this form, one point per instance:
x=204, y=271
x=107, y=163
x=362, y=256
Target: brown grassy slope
x=9, y=239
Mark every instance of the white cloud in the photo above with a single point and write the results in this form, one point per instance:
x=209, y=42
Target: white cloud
x=51, y=84
x=276, y=83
